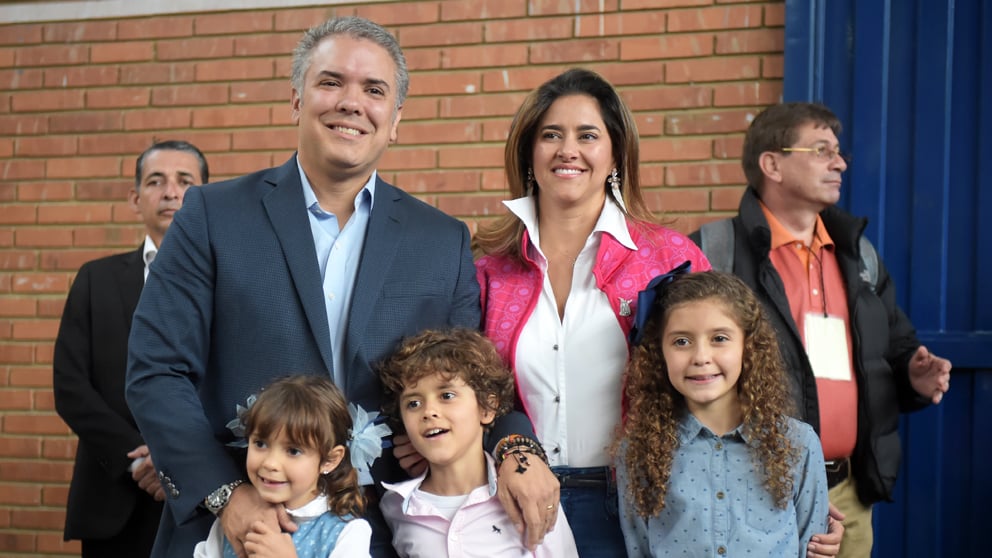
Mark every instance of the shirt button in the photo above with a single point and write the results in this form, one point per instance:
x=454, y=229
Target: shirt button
x=719, y=495
x=721, y=550
x=330, y=296
x=816, y=292
x=718, y=446
x=557, y=399
x=557, y=450
x=555, y=347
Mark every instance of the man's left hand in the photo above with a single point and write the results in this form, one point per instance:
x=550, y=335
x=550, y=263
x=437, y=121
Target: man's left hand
x=529, y=492
x=929, y=374
x=145, y=474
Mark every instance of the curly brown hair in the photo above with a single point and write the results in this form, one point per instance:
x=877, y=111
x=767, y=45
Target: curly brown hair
x=313, y=414
x=649, y=435
x=453, y=353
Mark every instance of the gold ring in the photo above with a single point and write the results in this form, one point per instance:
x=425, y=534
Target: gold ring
x=551, y=506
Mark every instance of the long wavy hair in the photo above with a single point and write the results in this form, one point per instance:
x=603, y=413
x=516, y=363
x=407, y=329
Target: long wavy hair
x=313, y=414
x=649, y=437
x=504, y=236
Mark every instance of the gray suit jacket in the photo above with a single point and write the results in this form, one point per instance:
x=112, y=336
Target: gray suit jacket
x=234, y=300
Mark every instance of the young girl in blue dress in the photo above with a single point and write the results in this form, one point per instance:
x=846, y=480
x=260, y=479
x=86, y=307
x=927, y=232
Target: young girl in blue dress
x=709, y=462
x=298, y=456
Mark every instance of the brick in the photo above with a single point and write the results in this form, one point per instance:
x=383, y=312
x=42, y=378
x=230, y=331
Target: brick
x=43, y=238
x=479, y=205
x=102, y=190
x=86, y=122
x=194, y=94
x=726, y=199
x=38, y=519
x=270, y=140
x=15, y=399
x=51, y=55
x=704, y=174
x=502, y=31
x=496, y=130
x=231, y=117
x=157, y=27
x=35, y=330
x=42, y=356
x=195, y=48
x=773, y=67
x=653, y=4
x=51, y=542
x=15, y=354
x=47, y=101
x=44, y=400
x=224, y=70
x=11, y=306
x=72, y=214
x=21, y=34
x=39, y=283
x=18, y=542
x=397, y=158
x=92, y=237
x=743, y=42
x=419, y=108
x=158, y=119
x=400, y=13
x=441, y=34
x=747, y=94
x=66, y=260
x=675, y=149
x=137, y=74
x=34, y=424
x=236, y=164
x=209, y=141
x=485, y=56
x=471, y=157
x=81, y=76
x=233, y=21
x=49, y=307
x=117, y=52
x=22, y=169
x=649, y=124
x=728, y=147
x=602, y=25
x=478, y=106
x=667, y=97
x=445, y=83
x=666, y=46
x=277, y=90
x=130, y=97
x=732, y=17
x=115, y=144
x=88, y=167
x=443, y=132
x=6, y=151
x=80, y=32
x=775, y=15
x=17, y=259
x=494, y=180
x=708, y=122
x=14, y=446
x=59, y=448
x=260, y=45
x=440, y=181
x=711, y=69
x=54, y=495
x=421, y=59
x=517, y=79
x=679, y=200
x=19, y=214
x=19, y=78
x=483, y=9
x=558, y=7
x=302, y=19
x=575, y=51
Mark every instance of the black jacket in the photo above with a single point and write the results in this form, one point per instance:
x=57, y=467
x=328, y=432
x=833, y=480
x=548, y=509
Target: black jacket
x=883, y=341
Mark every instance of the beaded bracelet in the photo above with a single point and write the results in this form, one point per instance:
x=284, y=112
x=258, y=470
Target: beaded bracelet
x=516, y=443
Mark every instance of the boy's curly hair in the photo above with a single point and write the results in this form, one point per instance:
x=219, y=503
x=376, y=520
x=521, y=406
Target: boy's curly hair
x=453, y=353
x=312, y=413
x=649, y=436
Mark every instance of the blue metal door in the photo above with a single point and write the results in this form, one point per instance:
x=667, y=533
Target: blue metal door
x=912, y=82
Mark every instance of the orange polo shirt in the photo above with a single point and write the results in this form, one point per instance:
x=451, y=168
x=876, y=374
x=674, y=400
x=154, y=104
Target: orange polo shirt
x=815, y=285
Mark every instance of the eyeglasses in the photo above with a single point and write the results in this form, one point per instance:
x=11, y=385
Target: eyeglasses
x=821, y=152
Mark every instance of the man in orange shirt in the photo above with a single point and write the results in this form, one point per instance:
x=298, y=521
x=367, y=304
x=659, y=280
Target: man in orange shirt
x=853, y=354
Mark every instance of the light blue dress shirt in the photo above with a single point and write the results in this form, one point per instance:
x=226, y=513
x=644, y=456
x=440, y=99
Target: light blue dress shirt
x=339, y=252
x=717, y=504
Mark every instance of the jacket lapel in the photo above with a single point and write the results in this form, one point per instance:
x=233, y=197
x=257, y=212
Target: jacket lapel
x=381, y=242
x=288, y=215
x=131, y=281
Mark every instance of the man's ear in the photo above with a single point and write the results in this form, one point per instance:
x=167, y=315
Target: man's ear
x=770, y=166
x=296, y=102
x=394, y=131
x=132, y=200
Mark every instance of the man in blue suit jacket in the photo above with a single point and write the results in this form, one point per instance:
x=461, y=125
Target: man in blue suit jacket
x=317, y=266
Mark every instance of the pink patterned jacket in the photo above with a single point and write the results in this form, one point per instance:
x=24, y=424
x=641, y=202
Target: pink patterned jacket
x=510, y=289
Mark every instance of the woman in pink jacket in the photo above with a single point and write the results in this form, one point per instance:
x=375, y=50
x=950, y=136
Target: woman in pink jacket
x=560, y=275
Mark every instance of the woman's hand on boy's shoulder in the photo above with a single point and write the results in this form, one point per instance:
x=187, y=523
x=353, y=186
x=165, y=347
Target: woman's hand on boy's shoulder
x=530, y=496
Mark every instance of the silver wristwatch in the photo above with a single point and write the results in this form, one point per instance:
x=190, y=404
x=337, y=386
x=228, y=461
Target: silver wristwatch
x=219, y=498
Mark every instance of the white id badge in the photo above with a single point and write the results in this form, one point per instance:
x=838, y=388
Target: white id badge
x=826, y=346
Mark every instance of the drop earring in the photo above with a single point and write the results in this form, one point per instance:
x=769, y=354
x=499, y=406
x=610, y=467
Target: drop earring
x=529, y=184
x=614, y=182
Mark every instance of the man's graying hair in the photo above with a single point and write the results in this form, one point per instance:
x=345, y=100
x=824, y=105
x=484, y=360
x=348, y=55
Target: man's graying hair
x=171, y=145
x=358, y=28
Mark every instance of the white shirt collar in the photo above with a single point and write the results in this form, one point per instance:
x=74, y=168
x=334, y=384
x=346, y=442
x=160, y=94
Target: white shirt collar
x=148, y=253
x=612, y=221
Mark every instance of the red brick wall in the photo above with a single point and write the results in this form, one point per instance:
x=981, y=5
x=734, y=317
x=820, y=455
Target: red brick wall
x=81, y=99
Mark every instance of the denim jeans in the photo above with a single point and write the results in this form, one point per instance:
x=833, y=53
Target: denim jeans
x=592, y=514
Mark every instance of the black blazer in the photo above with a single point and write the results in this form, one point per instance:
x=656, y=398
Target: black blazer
x=89, y=366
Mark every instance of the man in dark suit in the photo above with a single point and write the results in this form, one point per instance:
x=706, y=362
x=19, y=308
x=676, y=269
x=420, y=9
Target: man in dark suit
x=317, y=266
x=115, y=498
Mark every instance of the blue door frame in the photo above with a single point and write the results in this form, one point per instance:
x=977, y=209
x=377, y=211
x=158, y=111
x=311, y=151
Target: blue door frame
x=911, y=80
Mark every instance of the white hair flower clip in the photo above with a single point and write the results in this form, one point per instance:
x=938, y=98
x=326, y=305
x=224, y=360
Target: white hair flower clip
x=365, y=439
x=237, y=425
